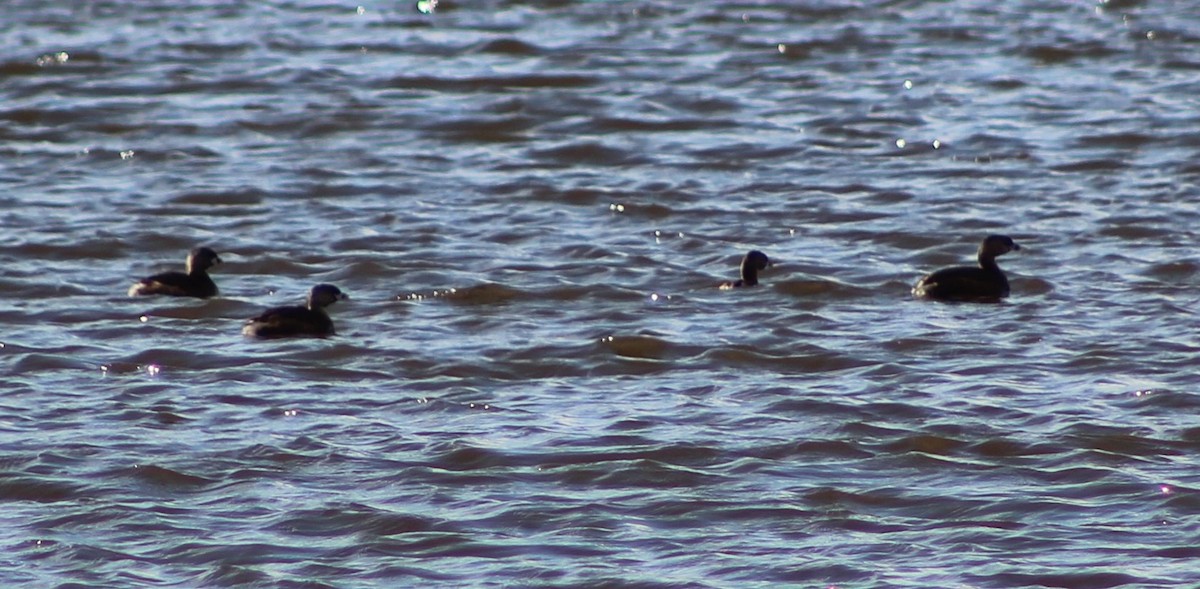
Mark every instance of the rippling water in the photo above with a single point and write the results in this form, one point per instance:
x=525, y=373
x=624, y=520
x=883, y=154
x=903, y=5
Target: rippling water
x=535, y=382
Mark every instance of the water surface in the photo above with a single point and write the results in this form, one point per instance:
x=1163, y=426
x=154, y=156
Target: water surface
x=536, y=382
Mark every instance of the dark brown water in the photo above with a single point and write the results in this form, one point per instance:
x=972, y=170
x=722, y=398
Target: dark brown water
x=536, y=383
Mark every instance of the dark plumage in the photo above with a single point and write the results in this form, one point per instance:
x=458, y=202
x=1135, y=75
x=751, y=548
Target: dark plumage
x=751, y=265
x=194, y=283
x=307, y=321
x=965, y=283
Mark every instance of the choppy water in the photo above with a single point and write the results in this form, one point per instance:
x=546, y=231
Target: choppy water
x=535, y=383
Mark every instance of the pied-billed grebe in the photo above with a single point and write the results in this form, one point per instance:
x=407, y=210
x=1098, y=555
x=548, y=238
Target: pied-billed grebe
x=751, y=265
x=297, y=321
x=966, y=283
x=194, y=283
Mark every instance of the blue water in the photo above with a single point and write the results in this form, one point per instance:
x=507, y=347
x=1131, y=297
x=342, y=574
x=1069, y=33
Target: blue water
x=536, y=382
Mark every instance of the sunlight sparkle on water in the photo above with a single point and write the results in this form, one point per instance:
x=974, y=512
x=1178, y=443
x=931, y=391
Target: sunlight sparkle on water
x=53, y=59
x=616, y=207
x=427, y=6
x=658, y=235
x=144, y=318
x=153, y=369
x=1166, y=489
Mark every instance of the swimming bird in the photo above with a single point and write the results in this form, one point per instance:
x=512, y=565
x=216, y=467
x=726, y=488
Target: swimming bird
x=296, y=321
x=194, y=283
x=966, y=283
x=751, y=265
